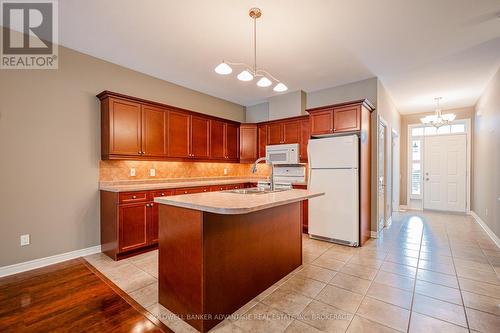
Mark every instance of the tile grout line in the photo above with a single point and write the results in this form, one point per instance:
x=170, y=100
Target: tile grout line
x=415, y=281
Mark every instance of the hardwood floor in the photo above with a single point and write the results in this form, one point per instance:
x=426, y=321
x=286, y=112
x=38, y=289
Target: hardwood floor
x=70, y=297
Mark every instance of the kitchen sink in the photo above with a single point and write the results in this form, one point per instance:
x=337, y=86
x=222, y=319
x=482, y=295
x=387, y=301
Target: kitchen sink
x=254, y=190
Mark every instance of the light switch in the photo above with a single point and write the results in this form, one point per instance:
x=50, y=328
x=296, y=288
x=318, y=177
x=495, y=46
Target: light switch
x=132, y=172
x=152, y=172
x=25, y=239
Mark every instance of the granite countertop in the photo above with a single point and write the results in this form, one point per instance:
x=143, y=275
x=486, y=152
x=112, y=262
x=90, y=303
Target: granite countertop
x=224, y=202
x=158, y=184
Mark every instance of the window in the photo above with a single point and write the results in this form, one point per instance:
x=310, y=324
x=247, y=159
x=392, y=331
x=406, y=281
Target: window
x=417, y=131
x=458, y=128
x=416, y=168
x=444, y=129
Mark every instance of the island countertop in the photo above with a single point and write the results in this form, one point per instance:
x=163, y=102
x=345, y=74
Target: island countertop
x=225, y=202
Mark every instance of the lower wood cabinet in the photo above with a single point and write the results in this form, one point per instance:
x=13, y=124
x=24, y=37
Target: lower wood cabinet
x=305, y=210
x=129, y=220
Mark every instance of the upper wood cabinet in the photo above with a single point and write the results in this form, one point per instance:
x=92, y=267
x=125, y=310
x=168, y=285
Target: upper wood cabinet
x=248, y=142
x=217, y=139
x=322, y=121
x=154, y=130
x=261, y=139
x=121, y=128
x=305, y=135
x=232, y=141
x=200, y=137
x=291, y=131
x=346, y=118
x=133, y=128
x=179, y=134
x=274, y=134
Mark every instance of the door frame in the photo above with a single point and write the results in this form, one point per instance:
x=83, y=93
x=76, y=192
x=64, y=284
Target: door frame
x=468, y=166
x=387, y=222
x=395, y=176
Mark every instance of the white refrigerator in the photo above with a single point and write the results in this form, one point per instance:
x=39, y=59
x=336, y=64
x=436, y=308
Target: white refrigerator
x=333, y=169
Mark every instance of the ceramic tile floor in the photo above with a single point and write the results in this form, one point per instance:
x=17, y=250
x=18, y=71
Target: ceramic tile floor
x=428, y=272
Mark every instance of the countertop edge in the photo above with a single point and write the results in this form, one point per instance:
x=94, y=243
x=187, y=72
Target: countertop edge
x=233, y=211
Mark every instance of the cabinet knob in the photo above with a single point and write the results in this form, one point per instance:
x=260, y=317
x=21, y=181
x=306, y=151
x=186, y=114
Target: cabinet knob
x=163, y=194
x=139, y=152
x=151, y=205
x=185, y=192
x=134, y=197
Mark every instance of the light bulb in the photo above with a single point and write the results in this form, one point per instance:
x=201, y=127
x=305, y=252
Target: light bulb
x=280, y=87
x=245, y=76
x=264, y=82
x=223, y=69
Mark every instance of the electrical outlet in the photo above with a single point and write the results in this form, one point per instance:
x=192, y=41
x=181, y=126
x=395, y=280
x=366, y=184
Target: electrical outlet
x=132, y=172
x=152, y=172
x=225, y=171
x=25, y=239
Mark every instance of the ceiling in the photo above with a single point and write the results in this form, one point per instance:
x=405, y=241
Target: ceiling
x=418, y=49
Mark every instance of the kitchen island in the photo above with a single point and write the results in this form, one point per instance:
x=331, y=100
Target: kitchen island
x=219, y=250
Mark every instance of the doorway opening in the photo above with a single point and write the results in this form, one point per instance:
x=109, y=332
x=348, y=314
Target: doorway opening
x=439, y=167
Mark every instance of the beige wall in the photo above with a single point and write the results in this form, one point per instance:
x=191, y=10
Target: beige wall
x=50, y=144
x=257, y=113
x=462, y=113
x=344, y=93
x=287, y=105
x=486, y=157
x=386, y=111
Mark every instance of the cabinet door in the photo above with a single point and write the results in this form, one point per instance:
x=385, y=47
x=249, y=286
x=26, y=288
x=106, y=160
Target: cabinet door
x=154, y=131
x=124, y=127
x=291, y=132
x=133, y=226
x=305, y=134
x=321, y=122
x=275, y=134
x=346, y=119
x=217, y=139
x=232, y=145
x=153, y=219
x=200, y=137
x=262, y=139
x=178, y=134
x=248, y=142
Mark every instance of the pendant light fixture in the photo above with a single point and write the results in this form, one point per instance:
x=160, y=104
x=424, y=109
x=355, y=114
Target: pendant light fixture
x=265, y=79
x=438, y=119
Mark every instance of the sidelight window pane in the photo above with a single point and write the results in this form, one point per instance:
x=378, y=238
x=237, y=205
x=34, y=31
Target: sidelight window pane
x=415, y=178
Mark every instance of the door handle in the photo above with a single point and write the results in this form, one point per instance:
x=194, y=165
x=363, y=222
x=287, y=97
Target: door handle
x=426, y=179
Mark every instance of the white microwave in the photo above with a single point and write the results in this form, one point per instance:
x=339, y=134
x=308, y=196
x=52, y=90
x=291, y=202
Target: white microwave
x=283, y=154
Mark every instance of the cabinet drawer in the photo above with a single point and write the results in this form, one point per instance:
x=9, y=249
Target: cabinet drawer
x=215, y=188
x=234, y=186
x=191, y=190
x=161, y=193
x=128, y=197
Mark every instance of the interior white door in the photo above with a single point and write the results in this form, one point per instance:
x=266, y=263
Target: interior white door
x=445, y=177
x=381, y=177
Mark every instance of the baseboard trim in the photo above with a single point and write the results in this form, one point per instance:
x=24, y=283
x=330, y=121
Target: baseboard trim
x=374, y=234
x=403, y=207
x=42, y=262
x=485, y=227
x=388, y=222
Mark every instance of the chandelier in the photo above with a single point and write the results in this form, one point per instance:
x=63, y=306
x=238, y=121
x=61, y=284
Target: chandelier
x=437, y=120
x=265, y=79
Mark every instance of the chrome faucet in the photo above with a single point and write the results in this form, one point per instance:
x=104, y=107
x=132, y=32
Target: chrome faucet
x=254, y=168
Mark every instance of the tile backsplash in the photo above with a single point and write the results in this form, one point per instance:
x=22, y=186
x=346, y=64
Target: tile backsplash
x=120, y=170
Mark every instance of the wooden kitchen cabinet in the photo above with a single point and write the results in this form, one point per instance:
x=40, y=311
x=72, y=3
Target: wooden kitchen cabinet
x=321, y=121
x=305, y=135
x=217, y=139
x=154, y=130
x=261, y=139
x=346, y=118
x=275, y=134
x=291, y=131
x=178, y=134
x=133, y=227
x=191, y=190
x=121, y=128
x=248, y=143
x=232, y=141
x=200, y=137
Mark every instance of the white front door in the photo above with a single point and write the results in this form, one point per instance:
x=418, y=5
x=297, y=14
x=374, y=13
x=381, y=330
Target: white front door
x=445, y=176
